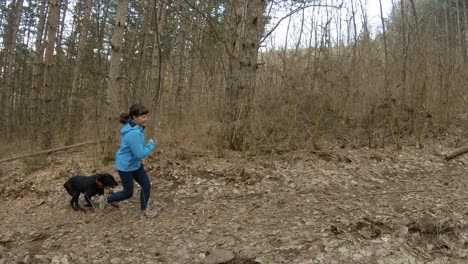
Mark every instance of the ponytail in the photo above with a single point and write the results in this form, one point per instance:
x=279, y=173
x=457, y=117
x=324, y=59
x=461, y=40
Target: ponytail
x=124, y=118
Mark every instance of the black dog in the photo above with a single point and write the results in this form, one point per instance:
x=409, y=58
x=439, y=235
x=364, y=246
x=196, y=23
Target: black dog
x=89, y=186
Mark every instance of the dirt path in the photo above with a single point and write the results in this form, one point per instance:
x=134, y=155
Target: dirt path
x=338, y=206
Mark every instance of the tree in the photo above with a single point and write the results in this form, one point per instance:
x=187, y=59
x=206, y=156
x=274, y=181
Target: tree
x=112, y=100
x=73, y=104
x=156, y=57
x=37, y=72
x=8, y=63
x=244, y=27
x=48, y=111
x=464, y=36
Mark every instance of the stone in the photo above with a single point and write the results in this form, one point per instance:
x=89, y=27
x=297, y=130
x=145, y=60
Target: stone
x=27, y=259
x=64, y=260
x=202, y=255
x=6, y=238
x=56, y=260
x=220, y=256
x=116, y=261
x=401, y=232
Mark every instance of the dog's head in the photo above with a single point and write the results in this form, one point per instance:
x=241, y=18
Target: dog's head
x=106, y=180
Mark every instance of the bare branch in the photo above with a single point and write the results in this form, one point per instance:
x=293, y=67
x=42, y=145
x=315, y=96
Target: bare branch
x=292, y=13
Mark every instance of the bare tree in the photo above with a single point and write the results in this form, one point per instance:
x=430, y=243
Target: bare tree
x=104, y=6
x=156, y=58
x=73, y=103
x=244, y=26
x=180, y=61
x=465, y=30
x=113, y=104
x=392, y=116
x=58, y=47
x=48, y=111
x=37, y=72
x=8, y=64
x=142, y=67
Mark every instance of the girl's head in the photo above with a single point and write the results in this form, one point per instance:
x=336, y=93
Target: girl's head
x=138, y=112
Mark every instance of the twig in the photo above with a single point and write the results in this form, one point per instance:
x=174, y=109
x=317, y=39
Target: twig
x=292, y=13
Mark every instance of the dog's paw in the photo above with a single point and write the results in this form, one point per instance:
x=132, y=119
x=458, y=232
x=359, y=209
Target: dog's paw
x=78, y=209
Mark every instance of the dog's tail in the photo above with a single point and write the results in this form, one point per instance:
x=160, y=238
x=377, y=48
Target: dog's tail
x=67, y=187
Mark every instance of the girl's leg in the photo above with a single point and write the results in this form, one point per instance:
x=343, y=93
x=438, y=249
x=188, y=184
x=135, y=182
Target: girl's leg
x=127, y=183
x=142, y=178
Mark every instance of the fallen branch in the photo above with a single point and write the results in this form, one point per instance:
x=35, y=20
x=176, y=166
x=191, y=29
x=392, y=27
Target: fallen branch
x=49, y=151
x=457, y=153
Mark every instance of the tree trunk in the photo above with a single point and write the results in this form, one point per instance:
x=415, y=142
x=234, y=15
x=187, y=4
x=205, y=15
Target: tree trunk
x=447, y=31
x=143, y=62
x=8, y=64
x=37, y=74
x=113, y=103
x=47, y=113
x=404, y=66
x=459, y=30
x=465, y=30
x=156, y=58
x=391, y=118
x=59, y=48
x=128, y=83
x=2, y=7
x=384, y=35
x=180, y=65
x=244, y=26
x=415, y=14
x=73, y=105
x=101, y=31
x=457, y=153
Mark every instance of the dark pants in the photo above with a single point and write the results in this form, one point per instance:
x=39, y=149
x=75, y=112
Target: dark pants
x=127, y=177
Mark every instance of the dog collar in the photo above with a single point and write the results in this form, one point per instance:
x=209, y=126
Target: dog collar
x=100, y=185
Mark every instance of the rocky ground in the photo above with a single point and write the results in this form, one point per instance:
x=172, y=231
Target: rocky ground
x=351, y=205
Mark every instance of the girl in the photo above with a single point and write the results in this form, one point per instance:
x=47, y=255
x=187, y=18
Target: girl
x=128, y=158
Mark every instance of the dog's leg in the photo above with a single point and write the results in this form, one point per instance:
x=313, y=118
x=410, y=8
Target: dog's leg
x=89, y=204
x=74, y=200
x=75, y=204
x=72, y=203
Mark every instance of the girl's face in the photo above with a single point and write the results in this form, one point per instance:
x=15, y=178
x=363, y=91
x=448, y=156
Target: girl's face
x=142, y=120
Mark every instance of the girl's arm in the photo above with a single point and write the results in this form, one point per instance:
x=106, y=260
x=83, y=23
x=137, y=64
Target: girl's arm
x=135, y=142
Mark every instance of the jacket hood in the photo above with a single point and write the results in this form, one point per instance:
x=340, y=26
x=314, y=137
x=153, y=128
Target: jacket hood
x=127, y=128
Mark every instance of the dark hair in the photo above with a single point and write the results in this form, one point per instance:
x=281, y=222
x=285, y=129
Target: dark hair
x=135, y=110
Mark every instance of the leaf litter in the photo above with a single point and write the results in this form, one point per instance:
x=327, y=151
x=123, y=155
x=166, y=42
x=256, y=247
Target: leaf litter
x=339, y=206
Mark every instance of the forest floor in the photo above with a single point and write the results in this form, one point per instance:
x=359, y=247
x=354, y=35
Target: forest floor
x=351, y=205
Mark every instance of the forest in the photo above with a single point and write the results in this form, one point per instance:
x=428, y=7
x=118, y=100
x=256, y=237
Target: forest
x=210, y=73
x=287, y=131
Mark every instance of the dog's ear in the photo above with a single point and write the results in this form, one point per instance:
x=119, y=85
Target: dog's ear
x=107, y=176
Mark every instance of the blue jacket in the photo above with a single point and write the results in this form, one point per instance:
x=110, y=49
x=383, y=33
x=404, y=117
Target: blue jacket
x=132, y=148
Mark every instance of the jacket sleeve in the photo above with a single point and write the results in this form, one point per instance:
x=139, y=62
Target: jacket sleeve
x=136, y=144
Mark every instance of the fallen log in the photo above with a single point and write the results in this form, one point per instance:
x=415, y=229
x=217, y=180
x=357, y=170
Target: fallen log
x=457, y=152
x=49, y=151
